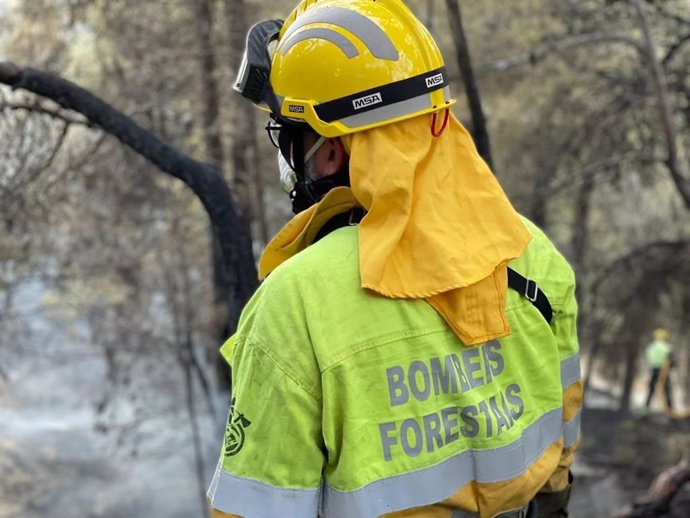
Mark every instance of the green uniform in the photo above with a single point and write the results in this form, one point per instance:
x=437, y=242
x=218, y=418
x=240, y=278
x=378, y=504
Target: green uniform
x=657, y=353
x=347, y=404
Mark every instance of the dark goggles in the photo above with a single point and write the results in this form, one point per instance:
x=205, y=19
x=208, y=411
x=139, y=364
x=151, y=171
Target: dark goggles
x=255, y=71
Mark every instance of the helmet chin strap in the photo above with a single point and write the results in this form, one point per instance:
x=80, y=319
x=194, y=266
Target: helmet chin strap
x=299, y=175
x=308, y=192
x=312, y=151
x=288, y=177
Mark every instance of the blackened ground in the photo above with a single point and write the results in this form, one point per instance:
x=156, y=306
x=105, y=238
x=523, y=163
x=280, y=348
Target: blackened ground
x=620, y=455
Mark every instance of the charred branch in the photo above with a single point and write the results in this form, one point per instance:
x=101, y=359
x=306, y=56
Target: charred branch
x=205, y=181
x=667, y=248
x=657, y=501
x=678, y=172
x=538, y=54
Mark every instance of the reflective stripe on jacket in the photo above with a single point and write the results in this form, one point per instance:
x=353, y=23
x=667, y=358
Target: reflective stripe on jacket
x=348, y=404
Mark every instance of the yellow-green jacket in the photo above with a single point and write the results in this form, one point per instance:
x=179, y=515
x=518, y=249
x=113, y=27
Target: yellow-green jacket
x=657, y=353
x=347, y=404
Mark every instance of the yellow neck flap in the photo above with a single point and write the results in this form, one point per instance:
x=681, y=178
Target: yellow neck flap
x=438, y=225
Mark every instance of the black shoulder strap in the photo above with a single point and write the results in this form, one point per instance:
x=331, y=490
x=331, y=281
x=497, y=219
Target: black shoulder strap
x=529, y=289
x=524, y=286
x=344, y=219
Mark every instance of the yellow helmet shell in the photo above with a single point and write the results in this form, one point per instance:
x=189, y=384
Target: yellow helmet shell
x=660, y=334
x=344, y=66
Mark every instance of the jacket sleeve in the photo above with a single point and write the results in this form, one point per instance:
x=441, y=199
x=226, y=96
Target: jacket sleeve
x=272, y=455
x=554, y=495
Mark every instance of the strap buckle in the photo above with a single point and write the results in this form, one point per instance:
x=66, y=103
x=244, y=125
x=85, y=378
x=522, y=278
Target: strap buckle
x=523, y=512
x=531, y=295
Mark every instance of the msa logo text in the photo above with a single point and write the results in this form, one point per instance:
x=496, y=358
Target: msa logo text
x=434, y=80
x=363, y=102
x=293, y=108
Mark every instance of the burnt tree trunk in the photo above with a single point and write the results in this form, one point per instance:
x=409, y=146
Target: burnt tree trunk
x=214, y=154
x=208, y=185
x=657, y=501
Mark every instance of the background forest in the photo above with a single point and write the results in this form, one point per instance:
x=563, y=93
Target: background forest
x=116, y=290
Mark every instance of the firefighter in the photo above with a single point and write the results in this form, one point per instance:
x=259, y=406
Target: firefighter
x=412, y=348
x=658, y=353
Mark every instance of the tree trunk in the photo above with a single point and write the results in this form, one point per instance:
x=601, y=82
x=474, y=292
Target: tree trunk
x=540, y=196
x=678, y=171
x=635, y=326
x=429, y=17
x=200, y=469
x=686, y=318
x=580, y=243
x=594, y=350
x=632, y=351
x=182, y=323
x=214, y=155
x=209, y=85
x=243, y=151
x=479, y=130
x=228, y=227
x=581, y=223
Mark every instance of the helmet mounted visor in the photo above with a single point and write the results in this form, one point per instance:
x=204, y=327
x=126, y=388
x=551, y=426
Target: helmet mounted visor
x=255, y=70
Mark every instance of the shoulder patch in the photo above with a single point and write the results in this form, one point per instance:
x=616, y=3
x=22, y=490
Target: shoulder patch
x=234, y=431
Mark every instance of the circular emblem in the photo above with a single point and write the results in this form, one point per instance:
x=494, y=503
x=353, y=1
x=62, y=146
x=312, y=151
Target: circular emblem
x=234, y=431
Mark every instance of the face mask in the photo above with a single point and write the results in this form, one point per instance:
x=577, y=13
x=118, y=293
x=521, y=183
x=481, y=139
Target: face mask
x=288, y=178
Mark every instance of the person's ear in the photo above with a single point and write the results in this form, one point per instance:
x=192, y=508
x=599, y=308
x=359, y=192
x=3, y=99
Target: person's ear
x=336, y=155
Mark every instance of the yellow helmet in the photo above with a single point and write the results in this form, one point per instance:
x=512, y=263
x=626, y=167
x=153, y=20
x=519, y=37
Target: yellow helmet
x=660, y=334
x=343, y=66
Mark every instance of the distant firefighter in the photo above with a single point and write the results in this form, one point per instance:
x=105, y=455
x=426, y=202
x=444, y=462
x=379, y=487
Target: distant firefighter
x=658, y=352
